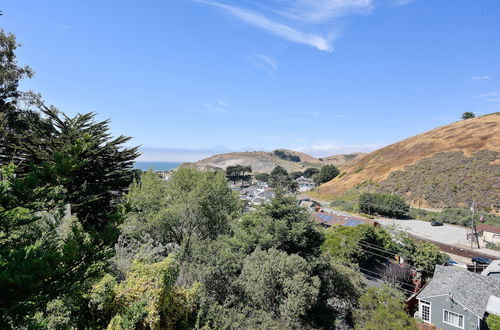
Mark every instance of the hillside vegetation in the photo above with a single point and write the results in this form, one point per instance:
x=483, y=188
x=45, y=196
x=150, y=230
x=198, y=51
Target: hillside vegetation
x=265, y=162
x=445, y=167
x=343, y=159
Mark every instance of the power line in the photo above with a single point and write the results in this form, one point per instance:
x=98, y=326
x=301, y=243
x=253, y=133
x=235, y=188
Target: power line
x=373, y=277
x=382, y=250
x=374, y=246
x=381, y=275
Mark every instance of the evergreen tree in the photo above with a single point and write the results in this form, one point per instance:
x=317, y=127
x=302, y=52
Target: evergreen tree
x=326, y=173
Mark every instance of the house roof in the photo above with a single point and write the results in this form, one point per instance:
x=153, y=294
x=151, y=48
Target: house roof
x=469, y=289
x=488, y=228
x=307, y=204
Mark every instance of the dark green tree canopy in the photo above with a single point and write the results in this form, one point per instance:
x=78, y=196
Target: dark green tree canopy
x=308, y=173
x=279, y=170
x=98, y=166
x=237, y=172
x=280, y=179
x=383, y=204
x=262, y=177
x=326, y=173
x=468, y=115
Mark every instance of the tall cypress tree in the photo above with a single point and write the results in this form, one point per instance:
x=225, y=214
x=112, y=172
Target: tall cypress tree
x=93, y=167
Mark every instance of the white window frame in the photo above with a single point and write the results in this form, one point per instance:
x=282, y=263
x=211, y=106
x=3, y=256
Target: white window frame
x=453, y=325
x=426, y=304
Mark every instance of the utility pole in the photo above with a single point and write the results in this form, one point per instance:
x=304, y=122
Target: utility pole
x=474, y=230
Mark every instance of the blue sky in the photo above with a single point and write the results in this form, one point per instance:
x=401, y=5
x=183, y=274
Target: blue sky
x=189, y=78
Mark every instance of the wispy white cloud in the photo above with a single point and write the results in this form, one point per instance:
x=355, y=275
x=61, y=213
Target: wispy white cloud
x=487, y=95
x=485, y=77
x=402, y=2
x=219, y=107
x=279, y=29
x=264, y=62
x=492, y=97
x=290, y=19
x=320, y=11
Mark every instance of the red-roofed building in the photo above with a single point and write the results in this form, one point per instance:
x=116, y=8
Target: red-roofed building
x=489, y=234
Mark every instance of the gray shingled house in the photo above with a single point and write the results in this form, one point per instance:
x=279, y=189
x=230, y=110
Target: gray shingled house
x=457, y=299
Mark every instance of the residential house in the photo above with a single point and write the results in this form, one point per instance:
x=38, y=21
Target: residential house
x=457, y=299
x=489, y=234
x=305, y=184
x=310, y=205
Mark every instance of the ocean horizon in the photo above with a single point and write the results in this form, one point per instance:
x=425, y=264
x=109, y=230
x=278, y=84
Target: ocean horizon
x=156, y=166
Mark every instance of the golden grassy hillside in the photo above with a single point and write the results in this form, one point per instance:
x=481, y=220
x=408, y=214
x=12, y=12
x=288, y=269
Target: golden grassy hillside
x=467, y=136
x=342, y=160
x=265, y=162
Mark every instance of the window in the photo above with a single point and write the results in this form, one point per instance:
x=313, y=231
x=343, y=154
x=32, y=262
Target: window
x=453, y=319
x=425, y=310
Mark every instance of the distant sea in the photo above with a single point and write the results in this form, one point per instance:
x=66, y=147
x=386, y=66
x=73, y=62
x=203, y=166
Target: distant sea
x=156, y=166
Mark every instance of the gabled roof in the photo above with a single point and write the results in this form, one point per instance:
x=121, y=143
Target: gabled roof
x=469, y=289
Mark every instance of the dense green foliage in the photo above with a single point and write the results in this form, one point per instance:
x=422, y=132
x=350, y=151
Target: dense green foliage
x=193, y=206
x=262, y=177
x=237, y=172
x=280, y=179
x=84, y=247
x=383, y=308
x=425, y=256
x=286, y=156
x=281, y=224
x=343, y=243
x=382, y=204
x=493, y=322
x=53, y=166
x=326, y=173
x=367, y=245
x=448, y=180
x=468, y=115
x=310, y=172
x=462, y=217
x=146, y=299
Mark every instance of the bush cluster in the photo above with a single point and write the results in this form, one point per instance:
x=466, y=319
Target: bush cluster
x=286, y=156
x=383, y=204
x=449, y=179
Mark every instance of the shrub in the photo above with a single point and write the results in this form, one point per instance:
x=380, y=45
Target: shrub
x=326, y=173
x=468, y=115
x=286, y=156
x=262, y=177
x=387, y=205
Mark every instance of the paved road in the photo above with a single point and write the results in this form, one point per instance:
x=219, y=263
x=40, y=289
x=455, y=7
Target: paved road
x=447, y=234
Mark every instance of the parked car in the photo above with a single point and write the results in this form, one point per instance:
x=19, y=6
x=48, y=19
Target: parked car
x=436, y=223
x=451, y=263
x=481, y=260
